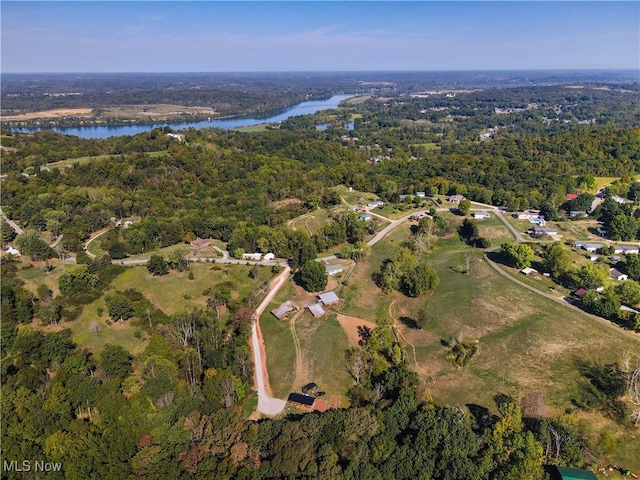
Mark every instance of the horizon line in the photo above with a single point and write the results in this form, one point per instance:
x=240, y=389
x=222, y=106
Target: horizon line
x=590, y=69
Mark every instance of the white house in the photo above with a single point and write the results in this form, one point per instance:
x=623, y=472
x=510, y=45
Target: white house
x=375, y=204
x=456, y=198
x=592, y=247
x=328, y=298
x=618, y=199
x=618, y=275
x=252, y=256
x=628, y=250
x=481, y=215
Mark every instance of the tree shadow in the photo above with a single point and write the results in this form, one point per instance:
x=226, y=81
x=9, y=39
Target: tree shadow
x=410, y=322
x=481, y=415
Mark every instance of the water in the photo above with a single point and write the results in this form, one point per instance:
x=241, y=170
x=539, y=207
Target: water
x=103, y=131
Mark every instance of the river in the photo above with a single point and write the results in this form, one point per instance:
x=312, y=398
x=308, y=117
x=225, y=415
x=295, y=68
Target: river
x=103, y=131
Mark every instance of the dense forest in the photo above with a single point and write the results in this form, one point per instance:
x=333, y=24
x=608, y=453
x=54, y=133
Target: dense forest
x=180, y=408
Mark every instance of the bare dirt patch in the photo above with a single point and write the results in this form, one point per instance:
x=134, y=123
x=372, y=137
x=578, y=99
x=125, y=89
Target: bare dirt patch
x=350, y=326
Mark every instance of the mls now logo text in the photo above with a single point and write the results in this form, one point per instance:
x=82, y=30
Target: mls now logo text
x=29, y=466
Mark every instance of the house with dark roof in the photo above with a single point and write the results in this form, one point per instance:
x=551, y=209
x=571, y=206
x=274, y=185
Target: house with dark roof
x=618, y=275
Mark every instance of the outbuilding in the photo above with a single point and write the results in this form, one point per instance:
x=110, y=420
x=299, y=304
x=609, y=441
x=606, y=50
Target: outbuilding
x=328, y=298
x=300, y=399
x=566, y=473
x=316, y=310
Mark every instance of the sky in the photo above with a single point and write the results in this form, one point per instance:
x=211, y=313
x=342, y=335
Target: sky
x=244, y=36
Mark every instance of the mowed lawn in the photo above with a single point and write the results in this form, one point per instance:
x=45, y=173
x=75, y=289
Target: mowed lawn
x=323, y=343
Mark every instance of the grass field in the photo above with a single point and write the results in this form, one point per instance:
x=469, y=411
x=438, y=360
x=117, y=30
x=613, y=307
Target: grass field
x=493, y=229
x=312, y=221
x=171, y=293
x=526, y=342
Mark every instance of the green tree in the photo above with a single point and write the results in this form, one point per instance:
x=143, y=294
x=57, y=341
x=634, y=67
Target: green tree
x=557, y=260
x=548, y=211
x=464, y=207
x=313, y=276
x=116, y=361
x=518, y=255
x=157, y=265
x=6, y=233
x=628, y=292
x=632, y=264
x=592, y=275
x=30, y=243
x=120, y=307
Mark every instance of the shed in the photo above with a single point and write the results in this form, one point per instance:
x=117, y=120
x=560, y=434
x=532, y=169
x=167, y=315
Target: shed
x=580, y=292
x=301, y=399
x=269, y=256
x=566, y=473
x=283, y=310
x=309, y=388
x=364, y=217
x=592, y=247
x=529, y=271
x=333, y=269
x=328, y=298
x=316, y=310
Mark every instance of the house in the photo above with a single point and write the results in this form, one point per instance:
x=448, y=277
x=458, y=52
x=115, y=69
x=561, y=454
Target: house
x=481, y=215
x=577, y=214
x=364, y=217
x=618, y=199
x=615, y=258
x=618, y=249
x=618, y=275
x=592, y=247
x=328, y=298
x=542, y=232
x=269, y=256
x=529, y=271
x=577, y=244
x=316, y=310
x=333, y=269
x=571, y=196
x=283, y=310
x=406, y=197
x=252, y=256
x=565, y=473
x=376, y=204
x=200, y=243
x=421, y=194
x=522, y=216
x=305, y=401
x=601, y=231
x=456, y=198
x=629, y=250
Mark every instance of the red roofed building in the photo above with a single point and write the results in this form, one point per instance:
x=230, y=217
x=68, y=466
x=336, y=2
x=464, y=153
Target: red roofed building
x=571, y=196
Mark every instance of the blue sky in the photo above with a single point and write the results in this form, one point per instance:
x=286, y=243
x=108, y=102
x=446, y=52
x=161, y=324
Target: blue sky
x=178, y=36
